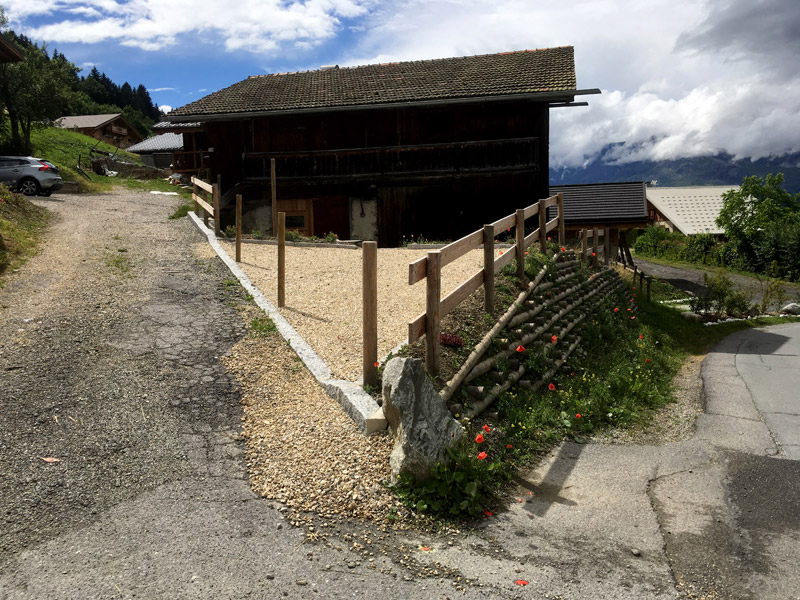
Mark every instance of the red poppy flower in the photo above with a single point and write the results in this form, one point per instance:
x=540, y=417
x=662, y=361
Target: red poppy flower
x=647, y=360
x=487, y=429
x=593, y=254
x=488, y=513
x=509, y=229
x=578, y=416
x=482, y=455
x=552, y=387
x=641, y=336
x=377, y=364
x=548, y=238
x=563, y=249
x=554, y=339
x=520, y=348
x=629, y=310
x=616, y=310
x=425, y=548
x=632, y=318
x=521, y=582
x=509, y=446
x=479, y=438
x=633, y=288
x=572, y=374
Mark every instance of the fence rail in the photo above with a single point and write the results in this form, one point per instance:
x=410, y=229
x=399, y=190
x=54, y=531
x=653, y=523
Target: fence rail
x=429, y=268
x=199, y=189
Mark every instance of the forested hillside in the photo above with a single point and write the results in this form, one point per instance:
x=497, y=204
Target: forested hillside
x=47, y=86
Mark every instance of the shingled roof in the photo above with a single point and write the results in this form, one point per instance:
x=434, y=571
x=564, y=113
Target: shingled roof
x=603, y=203
x=488, y=75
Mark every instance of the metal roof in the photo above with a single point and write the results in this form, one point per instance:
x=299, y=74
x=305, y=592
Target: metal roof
x=166, y=142
x=690, y=209
x=85, y=121
x=547, y=72
x=602, y=203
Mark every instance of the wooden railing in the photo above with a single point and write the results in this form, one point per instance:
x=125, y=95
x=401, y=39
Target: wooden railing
x=585, y=235
x=187, y=162
x=200, y=189
x=430, y=267
x=427, y=160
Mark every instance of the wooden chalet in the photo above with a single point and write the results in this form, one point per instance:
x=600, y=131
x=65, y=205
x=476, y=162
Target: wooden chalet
x=111, y=128
x=192, y=155
x=431, y=148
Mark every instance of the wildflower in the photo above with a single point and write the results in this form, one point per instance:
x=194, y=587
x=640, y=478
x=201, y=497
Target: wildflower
x=593, y=254
x=509, y=446
x=629, y=310
x=520, y=348
x=488, y=513
x=554, y=339
x=508, y=229
x=632, y=318
x=526, y=253
x=425, y=548
x=377, y=364
x=548, y=238
x=479, y=438
x=616, y=310
x=647, y=360
x=521, y=582
x=487, y=429
x=552, y=387
x=572, y=374
x=563, y=249
x=481, y=455
x=641, y=336
x=578, y=416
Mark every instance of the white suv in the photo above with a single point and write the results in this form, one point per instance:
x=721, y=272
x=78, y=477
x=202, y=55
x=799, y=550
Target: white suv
x=31, y=176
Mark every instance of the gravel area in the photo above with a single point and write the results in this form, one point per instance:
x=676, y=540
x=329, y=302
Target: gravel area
x=323, y=295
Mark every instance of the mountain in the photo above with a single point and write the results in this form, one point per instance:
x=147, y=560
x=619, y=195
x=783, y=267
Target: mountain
x=721, y=169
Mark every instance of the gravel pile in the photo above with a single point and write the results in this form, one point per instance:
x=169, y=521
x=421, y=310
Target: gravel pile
x=323, y=295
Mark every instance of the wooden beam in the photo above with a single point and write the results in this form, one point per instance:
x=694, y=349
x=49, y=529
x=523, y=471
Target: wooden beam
x=488, y=268
x=520, y=245
x=369, y=297
x=281, y=259
x=432, y=324
x=273, y=184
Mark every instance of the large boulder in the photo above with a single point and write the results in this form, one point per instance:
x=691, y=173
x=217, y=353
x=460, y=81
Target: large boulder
x=791, y=309
x=422, y=425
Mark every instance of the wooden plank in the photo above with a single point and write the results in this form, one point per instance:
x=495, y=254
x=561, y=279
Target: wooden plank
x=281, y=259
x=533, y=209
x=205, y=205
x=542, y=230
x=461, y=293
x=530, y=239
x=606, y=247
x=584, y=243
x=195, y=197
x=215, y=200
x=562, y=235
x=505, y=258
x=461, y=246
x=551, y=201
x=238, y=228
x=504, y=224
x=488, y=268
x=432, y=316
x=416, y=328
x=595, y=260
x=519, y=247
x=417, y=270
x=369, y=297
x=550, y=225
x=202, y=184
x=273, y=184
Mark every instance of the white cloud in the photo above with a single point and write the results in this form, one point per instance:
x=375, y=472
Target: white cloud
x=161, y=89
x=165, y=108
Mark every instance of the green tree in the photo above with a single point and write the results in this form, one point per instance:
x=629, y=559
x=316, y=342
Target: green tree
x=755, y=205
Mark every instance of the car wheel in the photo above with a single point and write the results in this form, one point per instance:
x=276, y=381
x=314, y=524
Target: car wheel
x=29, y=187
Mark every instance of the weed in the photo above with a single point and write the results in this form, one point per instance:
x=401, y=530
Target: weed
x=182, y=210
x=120, y=262
x=293, y=236
x=230, y=231
x=262, y=326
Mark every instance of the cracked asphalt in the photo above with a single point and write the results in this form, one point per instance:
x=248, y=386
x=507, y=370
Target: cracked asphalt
x=110, y=346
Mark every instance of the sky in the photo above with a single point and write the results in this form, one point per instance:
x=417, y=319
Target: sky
x=679, y=78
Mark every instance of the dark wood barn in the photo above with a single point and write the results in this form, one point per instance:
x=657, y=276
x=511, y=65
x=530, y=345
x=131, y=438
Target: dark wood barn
x=431, y=148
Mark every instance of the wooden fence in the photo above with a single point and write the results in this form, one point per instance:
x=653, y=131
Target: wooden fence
x=430, y=268
x=200, y=194
x=589, y=240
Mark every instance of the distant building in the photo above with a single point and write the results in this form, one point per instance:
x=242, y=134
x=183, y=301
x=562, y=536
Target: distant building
x=689, y=210
x=112, y=128
x=158, y=150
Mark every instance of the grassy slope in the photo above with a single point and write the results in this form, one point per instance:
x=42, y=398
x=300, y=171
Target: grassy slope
x=20, y=224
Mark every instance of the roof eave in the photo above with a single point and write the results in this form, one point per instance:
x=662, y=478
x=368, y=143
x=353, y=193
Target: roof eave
x=566, y=96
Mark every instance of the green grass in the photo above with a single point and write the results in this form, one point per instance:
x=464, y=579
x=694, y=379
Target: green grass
x=261, y=326
x=21, y=224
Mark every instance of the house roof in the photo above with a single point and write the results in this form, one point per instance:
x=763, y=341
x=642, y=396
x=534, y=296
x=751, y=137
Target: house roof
x=167, y=126
x=603, y=203
x=85, y=121
x=166, y=142
x=9, y=52
x=690, y=209
x=491, y=75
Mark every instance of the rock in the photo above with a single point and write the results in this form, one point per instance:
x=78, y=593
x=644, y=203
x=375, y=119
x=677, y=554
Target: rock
x=791, y=309
x=422, y=425
x=636, y=552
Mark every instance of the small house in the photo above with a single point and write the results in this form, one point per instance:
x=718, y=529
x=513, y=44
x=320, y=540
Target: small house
x=157, y=151
x=111, y=128
x=690, y=210
x=430, y=148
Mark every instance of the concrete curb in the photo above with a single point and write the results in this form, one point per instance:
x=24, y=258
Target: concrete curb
x=360, y=406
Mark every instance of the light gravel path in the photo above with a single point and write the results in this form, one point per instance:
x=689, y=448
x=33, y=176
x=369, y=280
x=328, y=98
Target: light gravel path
x=323, y=295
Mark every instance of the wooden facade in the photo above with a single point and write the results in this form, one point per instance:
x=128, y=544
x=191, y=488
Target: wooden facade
x=435, y=172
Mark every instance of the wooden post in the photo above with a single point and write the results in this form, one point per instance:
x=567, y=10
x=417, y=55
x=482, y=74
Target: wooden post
x=595, y=235
x=369, y=296
x=634, y=276
x=238, y=228
x=274, y=187
x=194, y=197
x=215, y=200
x=542, y=227
x=488, y=268
x=520, y=244
x=649, y=280
x=584, y=244
x=562, y=235
x=281, y=259
x=606, y=246
x=432, y=326
x=205, y=214
x=641, y=280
